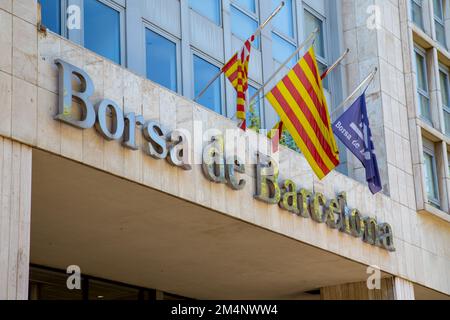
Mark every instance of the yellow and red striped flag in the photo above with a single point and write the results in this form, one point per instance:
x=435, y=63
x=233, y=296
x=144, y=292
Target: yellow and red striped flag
x=300, y=102
x=236, y=70
x=278, y=128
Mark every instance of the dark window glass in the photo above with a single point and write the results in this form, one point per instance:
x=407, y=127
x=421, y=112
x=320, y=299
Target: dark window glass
x=161, y=60
x=102, y=29
x=203, y=73
x=51, y=14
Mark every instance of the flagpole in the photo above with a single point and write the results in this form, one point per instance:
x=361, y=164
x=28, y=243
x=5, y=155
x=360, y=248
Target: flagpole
x=368, y=80
x=311, y=37
x=255, y=34
x=334, y=65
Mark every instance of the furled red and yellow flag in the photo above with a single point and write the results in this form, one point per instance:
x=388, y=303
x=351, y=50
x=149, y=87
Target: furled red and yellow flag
x=236, y=70
x=300, y=102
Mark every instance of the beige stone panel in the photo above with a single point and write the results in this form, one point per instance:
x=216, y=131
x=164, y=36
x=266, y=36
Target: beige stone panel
x=26, y=9
x=6, y=5
x=72, y=53
x=93, y=149
x=48, y=129
x=24, y=111
x=5, y=104
x=15, y=202
x=113, y=160
x=49, y=48
x=6, y=42
x=94, y=66
x=72, y=140
x=168, y=118
x=186, y=179
x=113, y=82
x=150, y=104
x=24, y=51
x=132, y=92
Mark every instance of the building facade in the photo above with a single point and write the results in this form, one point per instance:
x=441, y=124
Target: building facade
x=138, y=227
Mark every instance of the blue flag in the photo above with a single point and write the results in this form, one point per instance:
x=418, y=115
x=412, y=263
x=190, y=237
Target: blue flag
x=353, y=129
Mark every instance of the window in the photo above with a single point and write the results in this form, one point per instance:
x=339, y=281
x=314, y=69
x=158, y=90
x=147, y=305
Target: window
x=51, y=15
x=312, y=22
x=422, y=85
x=283, y=35
x=203, y=73
x=430, y=173
x=439, y=21
x=244, y=20
x=417, y=15
x=209, y=9
x=161, y=60
x=282, y=49
x=284, y=20
x=102, y=30
x=443, y=78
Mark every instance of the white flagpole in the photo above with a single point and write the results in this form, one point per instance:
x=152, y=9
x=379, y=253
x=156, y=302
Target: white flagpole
x=256, y=34
x=367, y=81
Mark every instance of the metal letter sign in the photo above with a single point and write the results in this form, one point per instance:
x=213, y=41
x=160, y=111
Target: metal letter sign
x=218, y=166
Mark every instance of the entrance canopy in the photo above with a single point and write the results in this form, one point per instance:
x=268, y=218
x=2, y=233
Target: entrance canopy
x=119, y=230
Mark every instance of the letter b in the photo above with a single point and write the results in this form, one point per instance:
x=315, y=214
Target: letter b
x=66, y=93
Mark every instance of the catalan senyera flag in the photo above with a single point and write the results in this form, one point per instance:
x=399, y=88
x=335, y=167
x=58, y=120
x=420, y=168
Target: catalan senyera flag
x=278, y=128
x=300, y=102
x=236, y=70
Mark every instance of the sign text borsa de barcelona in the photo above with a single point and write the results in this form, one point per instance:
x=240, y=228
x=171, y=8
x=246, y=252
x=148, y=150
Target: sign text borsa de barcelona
x=218, y=166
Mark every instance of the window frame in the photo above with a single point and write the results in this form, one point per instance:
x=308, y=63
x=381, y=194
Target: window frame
x=441, y=21
x=446, y=109
x=63, y=18
x=419, y=91
x=419, y=3
x=220, y=23
x=150, y=26
x=428, y=148
x=322, y=60
x=214, y=62
x=252, y=15
x=115, y=6
x=285, y=37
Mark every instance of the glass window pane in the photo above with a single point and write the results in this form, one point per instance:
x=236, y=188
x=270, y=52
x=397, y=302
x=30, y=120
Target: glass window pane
x=421, y=72
x=417, y=12
x=203, y=73
x=210, y=9
x=284, y=20
x=161, y=60
x=447, y=121
x=249, y=5
x=243, y=26
x=437, y=7
x=444, y=88
x=440, y=33
x=430, y=177
x=282, y=49
x=424, y=107
x=51, y=14
x=102, y=29
x=311, y=23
